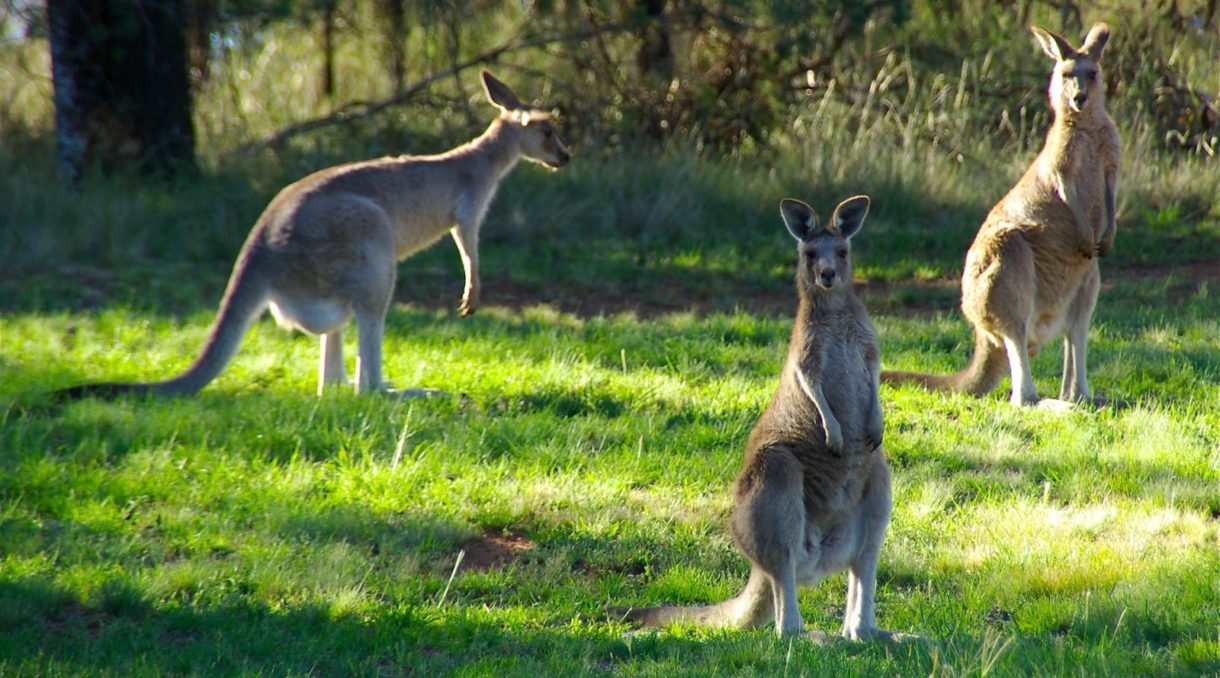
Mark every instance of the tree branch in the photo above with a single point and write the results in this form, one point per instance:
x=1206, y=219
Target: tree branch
x=357, y=110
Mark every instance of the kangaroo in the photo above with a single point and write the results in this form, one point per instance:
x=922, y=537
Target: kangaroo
x=1032, y=272
x=326, y=247
x=813, y=494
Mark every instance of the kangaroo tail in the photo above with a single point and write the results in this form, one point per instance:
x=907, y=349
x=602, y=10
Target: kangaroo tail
x=754, y=606
x=244, y=299
x=983, y=374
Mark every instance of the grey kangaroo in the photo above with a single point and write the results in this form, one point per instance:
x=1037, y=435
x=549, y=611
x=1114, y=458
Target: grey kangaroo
x=1032, y=273
x=813, y=495
x=326, y=248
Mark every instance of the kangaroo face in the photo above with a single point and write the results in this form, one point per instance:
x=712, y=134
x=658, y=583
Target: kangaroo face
x=540, y=143
x=825, y=251
x=1075, y=84
x=825, y=261
x=1076, y=80
x=536, y=132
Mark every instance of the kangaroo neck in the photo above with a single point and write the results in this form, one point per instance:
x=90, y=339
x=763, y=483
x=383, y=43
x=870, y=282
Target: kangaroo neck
x=1067, y=121
x=500, y=145
x=816, y=308
x=817, y=303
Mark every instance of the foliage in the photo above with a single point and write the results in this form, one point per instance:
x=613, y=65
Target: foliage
x=727, y=75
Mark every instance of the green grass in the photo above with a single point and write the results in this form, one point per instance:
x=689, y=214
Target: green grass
x=257, y=529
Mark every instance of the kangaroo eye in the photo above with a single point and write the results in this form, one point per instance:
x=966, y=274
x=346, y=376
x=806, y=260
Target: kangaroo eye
x=1091, y=76
x=842, y=254
x=548, y=132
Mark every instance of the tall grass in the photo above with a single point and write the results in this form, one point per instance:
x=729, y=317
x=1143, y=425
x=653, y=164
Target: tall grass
x=938, y=147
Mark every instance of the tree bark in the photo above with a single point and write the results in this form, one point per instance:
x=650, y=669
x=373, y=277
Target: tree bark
x=122, y=92
x=328, y=48
x=655, y=58
x=396, y=35
x=199, y=36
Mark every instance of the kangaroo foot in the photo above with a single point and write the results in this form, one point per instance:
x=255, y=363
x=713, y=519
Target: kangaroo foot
x=1056, y=405
x=412, y=393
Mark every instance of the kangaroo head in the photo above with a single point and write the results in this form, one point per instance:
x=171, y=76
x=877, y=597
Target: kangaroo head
x=1076, y=79
x=539, y=141
x=825, y=251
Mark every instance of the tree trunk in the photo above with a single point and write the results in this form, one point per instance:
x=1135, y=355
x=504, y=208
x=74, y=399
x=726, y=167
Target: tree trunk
x=122, y=93
x=655, y=58
x=396, y=35
x=199, y=36
x=328, y=48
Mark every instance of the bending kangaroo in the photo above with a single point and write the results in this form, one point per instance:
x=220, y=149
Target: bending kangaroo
x=1032, y=271
x=327, y=246
x=813, y=495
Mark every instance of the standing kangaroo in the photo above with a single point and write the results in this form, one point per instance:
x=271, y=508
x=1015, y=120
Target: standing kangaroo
x=813, y=495
x=1032, y=271
x=327, y=246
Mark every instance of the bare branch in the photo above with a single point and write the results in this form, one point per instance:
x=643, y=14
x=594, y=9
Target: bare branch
x=357, y=110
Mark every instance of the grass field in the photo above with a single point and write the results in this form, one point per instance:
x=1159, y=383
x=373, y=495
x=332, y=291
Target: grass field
x=632, y=336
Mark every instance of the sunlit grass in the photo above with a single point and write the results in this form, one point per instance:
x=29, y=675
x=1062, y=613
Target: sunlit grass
x=1038, y=542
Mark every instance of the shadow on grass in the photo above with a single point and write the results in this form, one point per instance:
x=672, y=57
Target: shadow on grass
x=122, y=634
x=118, y=631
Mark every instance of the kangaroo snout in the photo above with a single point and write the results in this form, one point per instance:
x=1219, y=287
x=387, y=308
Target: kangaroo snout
x=1079, y=101
x=561, y=159
x=827, y=278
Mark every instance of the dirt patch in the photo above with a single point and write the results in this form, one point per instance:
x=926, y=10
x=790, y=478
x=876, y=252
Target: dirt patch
x=494, y=550
x=1185, y=280
x=75, y=614
x=675, y=295
x=666, y=298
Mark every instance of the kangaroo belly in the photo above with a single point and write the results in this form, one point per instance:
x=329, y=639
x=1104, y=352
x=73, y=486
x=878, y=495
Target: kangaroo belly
x=419, y=233
x=315, y=316
x=828, y=550
x=835, y=534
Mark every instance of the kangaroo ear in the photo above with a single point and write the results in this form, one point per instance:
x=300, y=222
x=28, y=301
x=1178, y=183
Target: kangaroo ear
x=849, y=216
x=798, y=217
x=1096, y=41
x=1055, y=45
x=499, y=93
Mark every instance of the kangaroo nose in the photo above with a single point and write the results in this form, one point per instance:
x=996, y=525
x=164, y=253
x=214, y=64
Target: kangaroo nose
x=1081, y=99
x=828, y=277
x=564, y=157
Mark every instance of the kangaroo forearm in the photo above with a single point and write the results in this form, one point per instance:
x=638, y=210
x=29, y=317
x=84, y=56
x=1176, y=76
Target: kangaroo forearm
x=467, y=240
x=1084, y=229
x=1106, y=241
x=830, y=425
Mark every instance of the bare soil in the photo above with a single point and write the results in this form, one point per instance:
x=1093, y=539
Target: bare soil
x=675, y=296
x=494, y=550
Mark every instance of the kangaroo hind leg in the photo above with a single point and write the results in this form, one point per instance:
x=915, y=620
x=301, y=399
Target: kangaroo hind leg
x=1075, y=384
x=330, y=365
x=769, y=525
